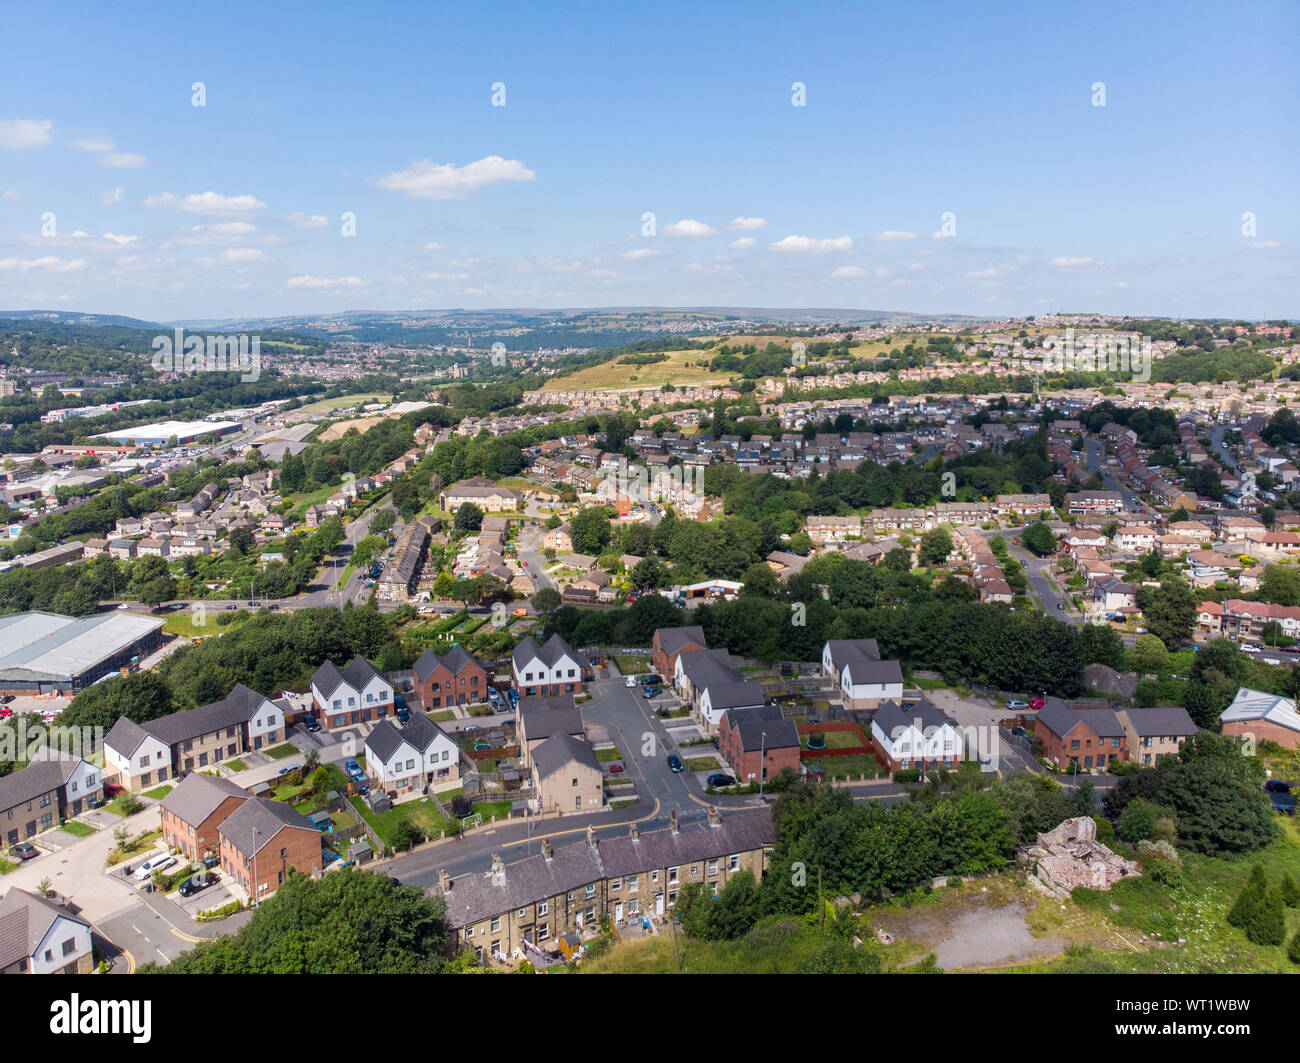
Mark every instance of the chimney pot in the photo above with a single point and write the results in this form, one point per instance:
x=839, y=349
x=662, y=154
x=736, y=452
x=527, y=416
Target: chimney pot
x=672, y=820
x=547, y=851
x=444, y=879
x=591, y=834
x=632, y=832
x=715, y=819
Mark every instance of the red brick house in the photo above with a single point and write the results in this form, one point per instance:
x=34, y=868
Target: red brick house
x=672, y=642
x=262, y=841
x=455, y=678
x=193, y=813
x=758, y=743
x=1093, y=738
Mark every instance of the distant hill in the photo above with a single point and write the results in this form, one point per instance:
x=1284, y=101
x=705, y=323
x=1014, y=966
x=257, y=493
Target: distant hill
x=74, y=317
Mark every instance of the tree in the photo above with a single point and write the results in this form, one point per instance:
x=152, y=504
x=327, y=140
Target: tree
x=547, y=600
x=241, y=539
x=1039, y=538
x=590, y=530
x=1150, y=654
x=936, y=545
x=140, y=697
x=649, y=572
x=468, y=518
x=383, y=521
x=898, y=560
x=1170, y=611
x=760, y=579
x=1216, y=796
x=837, y=956
x=1267, y=924
x=348, y=922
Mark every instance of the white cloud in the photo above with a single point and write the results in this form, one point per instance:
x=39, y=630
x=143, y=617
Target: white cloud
x=689, y=227
x=917, y=266
x=639, y=253
x=435, y=246
x=244, y=254
x=1265, y=244
x=747, y=223
x=883, y=271
x=426, y=179
x=123, y=160
x=20, y=133
x=120, y=239
x=894, y=234
x=308, y=281
x=110, y=196
x=992, y=271
x=11, y=193
x=601, y=274
x=206, y=203
x=1067, y=262
x=808, y=243
x=94, y=144
x=230, y=228
x=744, y=241
x=307, y=221
x=844, y=272
x=49, y=262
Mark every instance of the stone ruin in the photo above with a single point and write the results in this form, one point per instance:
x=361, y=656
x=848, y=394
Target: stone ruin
x=1070, y=856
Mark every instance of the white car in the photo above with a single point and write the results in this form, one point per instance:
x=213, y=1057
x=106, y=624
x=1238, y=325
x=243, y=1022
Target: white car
x=154, y=863
x=1248, y=647
x=631, y=682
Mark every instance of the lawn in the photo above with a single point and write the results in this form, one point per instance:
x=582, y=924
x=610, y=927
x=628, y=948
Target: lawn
x=236, y=765
x=633, y=665
x=422, y=813
x=492, y=809
x=703, y=764
x=138, y=845
x=775, y=946
x=835, y=739
x=81, y=830
x=116, y=805
x=343, y=402
x=442, y=717
x=159, y=792
x=849, y=767
x=607, y=756
x=625, y=802
x=6, y=866
x=282, y=751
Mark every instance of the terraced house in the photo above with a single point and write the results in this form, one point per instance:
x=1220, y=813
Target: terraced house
x=138, y=756
x=417, y=757
x=520, y=911
x=50, y=788
x=555, y=668
x=454, y=678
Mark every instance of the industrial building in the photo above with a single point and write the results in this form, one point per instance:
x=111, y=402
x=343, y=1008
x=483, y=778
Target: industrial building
x=44, y=653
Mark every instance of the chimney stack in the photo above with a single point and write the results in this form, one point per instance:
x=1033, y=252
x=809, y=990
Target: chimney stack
x=591, y=835
x=715, y=820
x=632, y=832
x=444, y=880
x=547, y=851
x=672, y=821
x=498, y=870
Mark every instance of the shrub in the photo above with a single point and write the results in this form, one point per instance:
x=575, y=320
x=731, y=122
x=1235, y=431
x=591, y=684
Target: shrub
x=406, y=835
x=1293, y=949
x=1268, y=927
x=1290, y=891
x=1244, y=909
x=907, y=775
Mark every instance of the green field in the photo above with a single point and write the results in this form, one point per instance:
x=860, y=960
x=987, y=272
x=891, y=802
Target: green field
x=673, y=371
x=422, y=813
x=343, y=402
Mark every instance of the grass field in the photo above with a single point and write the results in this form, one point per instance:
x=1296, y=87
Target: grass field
x=776, y=946
x=344, y=402
x=422, y=813
x=341, y=428
x=6, y=866
x=612, y=375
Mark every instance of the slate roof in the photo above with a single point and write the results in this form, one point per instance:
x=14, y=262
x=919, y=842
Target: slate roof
x=548, y=654
x=744, y=694
x=455, y=661
x=357, y=674
x=544, y=717
x=198, y=796
x=892, y=717
x=39, y=777
x=25, y=919
x=237, y=707
x=867, y=671
x=560, y=750
x=125, y=736
x=419, y=731
x=845, y=650
x=752, y=724
x=672, y=639
x=265, y=817
x=707, y=667
x=475, y=897
x=1171, y=722
x=1060, y=719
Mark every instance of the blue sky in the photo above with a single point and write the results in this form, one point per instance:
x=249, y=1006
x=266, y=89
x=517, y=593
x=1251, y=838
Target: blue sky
x=165, y=210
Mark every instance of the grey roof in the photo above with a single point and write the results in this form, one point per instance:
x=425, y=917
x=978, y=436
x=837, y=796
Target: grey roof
x=357, y=673
x=45, y=646
x=672, y=639
x=39, y=777
x=543, y=717
x=475, y=897
x=266, y=818
x=198, y=796
x=125, y=736
x=707, y=667
x=866, y=671
x=891, y=716
x=384, y=740
x=745, y=694
x=238, y=707
x=1061, y=719
x=455, y=661
x=845, y=650
x=25, y=918
x=560, y=750
x=548, y=654
x=419, y=731
x=763, y=728
x=1171, y=722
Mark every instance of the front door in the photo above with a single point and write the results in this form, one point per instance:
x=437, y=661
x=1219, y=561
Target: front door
x=618, y=912
x=13, y=837
x=31, y=829
x=659, y=904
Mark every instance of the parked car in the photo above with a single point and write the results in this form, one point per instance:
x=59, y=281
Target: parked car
x=1016, y=703
x=719, y=778
x=1278, y=786
x=24, y=851
x=1247, y=647
x=616, y=769
x=1060, y=605
x=631, y=682
x=651, y=680
x=154, y=863
x=112, y=789
x=404, y=714
x=354, y=769
x=5, y=712
x=200, y=880
x=1037, y=703
x=288, y=768
x=675, y=762
x=1020, y=732
x=311, y=723
x=650, y=693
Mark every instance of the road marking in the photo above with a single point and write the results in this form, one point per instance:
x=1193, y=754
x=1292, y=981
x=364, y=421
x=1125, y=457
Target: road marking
x=137, y=930
x=186, y=937
x=166, y=958
x=130, y=961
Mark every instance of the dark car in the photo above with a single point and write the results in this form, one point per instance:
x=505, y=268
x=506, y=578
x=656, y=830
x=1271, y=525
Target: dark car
x=675, y=762
x=311, y=723
x=651, y=680
x=200, y=880
x=1278, y=786
x=649, y=692
x=1020, y=732
x=721, y=779
x=24, y=851
x=404, y=714
x=112, y=789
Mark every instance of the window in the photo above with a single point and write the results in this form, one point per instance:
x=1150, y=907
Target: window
x=45, y=800
x=633, y=906
x=496, y=946
x=90, y=781
x=543, y=932
x=284, y=853
x=591, y=890
x=672, y=898
x=615, y=884
x=591, y=914
x=672, y=875
x=521, y=912
x=69, y=946
x=543, y=907
x=496, y=923
x=632, y=883
x=577, y=803
x=1074, y=744
x=144, y=761
x=713, y=868
x=654, y=876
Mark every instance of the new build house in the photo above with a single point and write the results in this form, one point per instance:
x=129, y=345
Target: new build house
x=357, y=694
